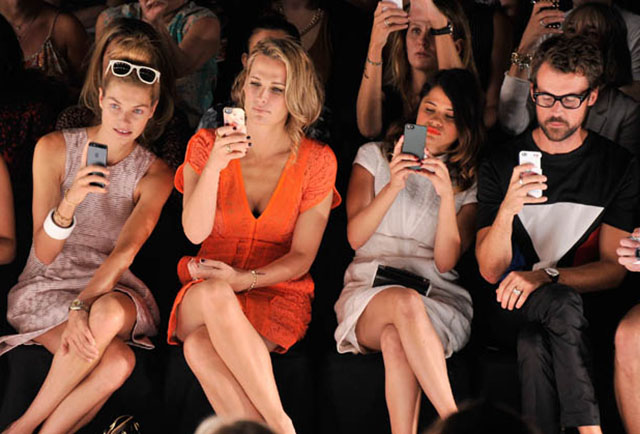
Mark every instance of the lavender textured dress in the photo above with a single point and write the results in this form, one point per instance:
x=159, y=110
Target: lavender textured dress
x=40, y=300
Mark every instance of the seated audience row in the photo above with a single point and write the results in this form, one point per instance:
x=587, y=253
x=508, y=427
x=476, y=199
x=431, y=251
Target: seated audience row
x=257, y=195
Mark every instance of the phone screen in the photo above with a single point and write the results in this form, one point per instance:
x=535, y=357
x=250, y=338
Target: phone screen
x=415, y=139
x=97, y=156
x=234, y=116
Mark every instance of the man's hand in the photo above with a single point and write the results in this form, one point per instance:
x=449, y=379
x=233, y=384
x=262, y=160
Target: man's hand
x=520, y=185
x=517, y=286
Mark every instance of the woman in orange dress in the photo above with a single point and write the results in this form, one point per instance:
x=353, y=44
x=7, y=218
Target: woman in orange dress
x=258, y=200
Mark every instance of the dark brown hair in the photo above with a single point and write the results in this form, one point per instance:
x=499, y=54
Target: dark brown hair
x=463, y=89
x=606, y=27
x=571, y=55
x=397, y=68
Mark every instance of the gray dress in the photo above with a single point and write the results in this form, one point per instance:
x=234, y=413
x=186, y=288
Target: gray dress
x=40, y=300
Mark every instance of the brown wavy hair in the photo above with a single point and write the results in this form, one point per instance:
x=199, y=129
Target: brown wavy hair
x=397, y=67
x=303, y=92
x=463, y=89
x=139, y=43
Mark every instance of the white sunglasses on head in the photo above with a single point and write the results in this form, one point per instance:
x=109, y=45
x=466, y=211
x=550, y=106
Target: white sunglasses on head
x=122, y=68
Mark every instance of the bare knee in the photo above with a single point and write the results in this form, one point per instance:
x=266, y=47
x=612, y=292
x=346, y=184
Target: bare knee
x=117, y=363
x=390, y=343
x=408, y=305
x=215, y=294
x=108, y=315
x=627, y=342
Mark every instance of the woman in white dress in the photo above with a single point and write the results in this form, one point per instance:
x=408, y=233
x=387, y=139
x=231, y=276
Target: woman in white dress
x=420, y=221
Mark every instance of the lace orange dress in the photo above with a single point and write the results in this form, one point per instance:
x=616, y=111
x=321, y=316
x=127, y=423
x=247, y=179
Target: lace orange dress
x=279, y=312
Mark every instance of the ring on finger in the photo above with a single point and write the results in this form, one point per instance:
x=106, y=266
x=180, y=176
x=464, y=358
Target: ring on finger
x=386, y=23
x=520, y=181
x=228, y=148
x=517, y=291
x=542, y=22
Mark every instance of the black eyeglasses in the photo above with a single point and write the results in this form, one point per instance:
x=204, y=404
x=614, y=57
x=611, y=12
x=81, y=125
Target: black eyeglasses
x=569, y=101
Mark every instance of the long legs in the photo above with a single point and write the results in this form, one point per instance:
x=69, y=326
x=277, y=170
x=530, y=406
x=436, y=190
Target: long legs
x=74, y=387
x=242, y=364
x=395, y=321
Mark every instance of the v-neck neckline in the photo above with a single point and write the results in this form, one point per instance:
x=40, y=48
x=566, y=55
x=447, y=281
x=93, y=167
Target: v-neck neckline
x=238, y=172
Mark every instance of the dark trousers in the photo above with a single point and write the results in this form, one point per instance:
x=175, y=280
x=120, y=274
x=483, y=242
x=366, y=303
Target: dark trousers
x=554, y=360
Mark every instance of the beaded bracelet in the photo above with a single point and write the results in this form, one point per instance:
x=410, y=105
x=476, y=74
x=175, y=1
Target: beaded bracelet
x=255, y=280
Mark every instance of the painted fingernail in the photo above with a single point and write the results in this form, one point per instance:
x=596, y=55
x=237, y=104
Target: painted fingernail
x=250, y=144
x=202, y=260
x=248, y=137
x=235, y=128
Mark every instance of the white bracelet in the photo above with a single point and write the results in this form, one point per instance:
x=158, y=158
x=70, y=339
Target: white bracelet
x=55, y=231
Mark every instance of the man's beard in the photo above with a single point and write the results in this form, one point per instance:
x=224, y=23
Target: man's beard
x=558, y=134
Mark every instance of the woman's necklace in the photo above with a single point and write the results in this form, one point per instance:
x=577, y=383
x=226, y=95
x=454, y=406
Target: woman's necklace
x=315, y=19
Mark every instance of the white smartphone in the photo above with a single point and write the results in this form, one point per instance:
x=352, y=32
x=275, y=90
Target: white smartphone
x=234, y=116
x=534, y=158
x=397, y=2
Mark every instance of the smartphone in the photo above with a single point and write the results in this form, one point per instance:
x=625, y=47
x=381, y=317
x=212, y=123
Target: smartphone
x=397, y=2
x=97, y=156
x=552, y=5
x=415, y=139
x=234, y=116
x=534, y=158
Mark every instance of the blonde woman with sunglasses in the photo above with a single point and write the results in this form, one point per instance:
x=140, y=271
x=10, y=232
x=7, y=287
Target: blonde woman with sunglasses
x=76, y=295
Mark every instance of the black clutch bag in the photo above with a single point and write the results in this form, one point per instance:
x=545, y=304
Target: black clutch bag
x=395, y=276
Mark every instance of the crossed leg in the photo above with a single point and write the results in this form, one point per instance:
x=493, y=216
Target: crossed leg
x=228, y=356
x=75, y=389
x=396, y=322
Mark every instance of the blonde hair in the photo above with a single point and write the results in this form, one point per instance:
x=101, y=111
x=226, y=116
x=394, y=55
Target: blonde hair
x=303, y=92
x=398, y=69
x=138, y=43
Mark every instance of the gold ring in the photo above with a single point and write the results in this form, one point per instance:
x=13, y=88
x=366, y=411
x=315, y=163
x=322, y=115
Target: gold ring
x=228, y=148
x=385, y=22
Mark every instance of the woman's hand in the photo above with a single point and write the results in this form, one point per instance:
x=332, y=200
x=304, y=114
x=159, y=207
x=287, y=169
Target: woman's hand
x=82, y=183
x=628, y=251
x=387, y=18
x=231, y=143
x=211, y=269
x=153, y=10
x=537, y=25
x=77, y=336
x=436, y=171
x=400, y=166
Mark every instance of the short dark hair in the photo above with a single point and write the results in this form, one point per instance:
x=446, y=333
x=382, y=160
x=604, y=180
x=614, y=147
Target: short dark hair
x=570, y=55
x=273, y=22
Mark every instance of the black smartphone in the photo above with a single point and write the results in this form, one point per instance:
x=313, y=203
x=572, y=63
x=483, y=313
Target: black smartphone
x=552, y=5
x=97, y=156
x=415, y=139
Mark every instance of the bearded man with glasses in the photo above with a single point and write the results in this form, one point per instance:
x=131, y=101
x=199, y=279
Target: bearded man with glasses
x=544, y=251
